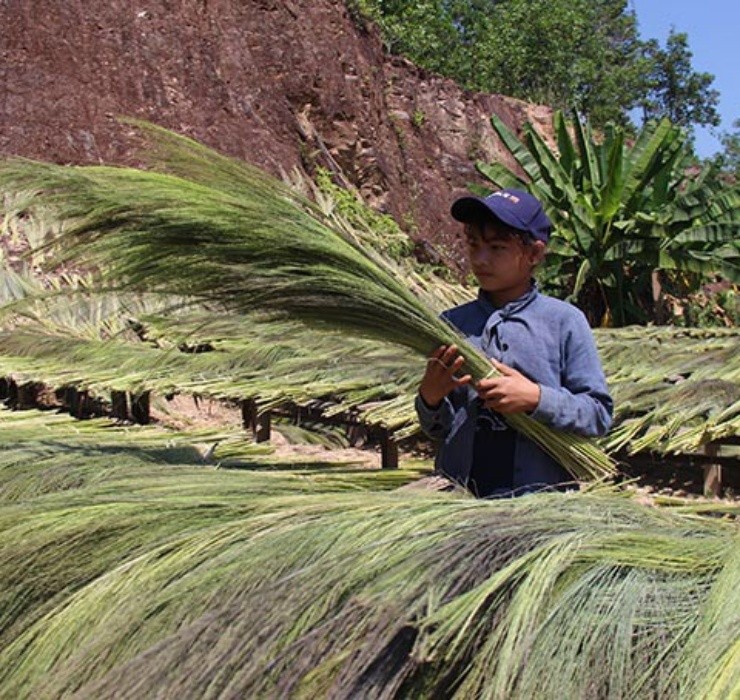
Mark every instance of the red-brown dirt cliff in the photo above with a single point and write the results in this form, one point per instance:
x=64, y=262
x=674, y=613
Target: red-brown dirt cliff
x=287, y=84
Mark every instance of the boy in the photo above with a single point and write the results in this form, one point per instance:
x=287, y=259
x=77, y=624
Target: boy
x=542, y=347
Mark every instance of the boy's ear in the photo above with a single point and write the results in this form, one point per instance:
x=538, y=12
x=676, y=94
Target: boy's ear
x=537, y=252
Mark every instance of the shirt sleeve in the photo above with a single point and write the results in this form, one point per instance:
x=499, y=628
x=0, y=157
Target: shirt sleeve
x=435, y=422
x=582, y=403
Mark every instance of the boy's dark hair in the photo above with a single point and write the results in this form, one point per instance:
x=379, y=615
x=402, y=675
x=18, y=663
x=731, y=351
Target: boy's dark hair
x=501, y=230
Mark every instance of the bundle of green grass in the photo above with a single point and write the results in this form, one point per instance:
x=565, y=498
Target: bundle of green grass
x=149, y=577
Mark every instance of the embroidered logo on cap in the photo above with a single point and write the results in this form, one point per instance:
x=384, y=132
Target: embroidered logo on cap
x=507, y=195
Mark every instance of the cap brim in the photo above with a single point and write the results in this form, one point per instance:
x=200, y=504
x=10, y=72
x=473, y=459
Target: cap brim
x=469, y=210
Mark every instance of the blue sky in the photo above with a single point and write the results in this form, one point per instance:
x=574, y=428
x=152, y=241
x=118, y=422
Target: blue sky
x=713, y=28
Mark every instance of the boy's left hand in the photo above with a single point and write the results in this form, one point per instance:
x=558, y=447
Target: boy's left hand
x=512, y=392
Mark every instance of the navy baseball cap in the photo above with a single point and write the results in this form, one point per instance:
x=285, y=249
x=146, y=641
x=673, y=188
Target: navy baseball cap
x=515, y=208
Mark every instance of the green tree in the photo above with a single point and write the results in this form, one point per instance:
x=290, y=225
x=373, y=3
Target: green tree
x=729, y=159
x=583, y=54
x=559, y=52
x=673, y=89
x=423, y=31
x=565, y=53
x=623, y=212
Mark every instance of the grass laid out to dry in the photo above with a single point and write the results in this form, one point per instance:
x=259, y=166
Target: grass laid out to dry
x=675, y=389
x=149, y=576
x=219, y=232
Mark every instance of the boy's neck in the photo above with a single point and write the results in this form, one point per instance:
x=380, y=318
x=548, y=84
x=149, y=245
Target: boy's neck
x=499, y=299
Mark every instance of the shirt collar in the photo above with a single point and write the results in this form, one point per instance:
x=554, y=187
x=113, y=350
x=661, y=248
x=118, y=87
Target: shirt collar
x=511, y=307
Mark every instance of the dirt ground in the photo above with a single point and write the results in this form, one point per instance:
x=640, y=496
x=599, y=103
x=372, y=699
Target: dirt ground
x=182, y=412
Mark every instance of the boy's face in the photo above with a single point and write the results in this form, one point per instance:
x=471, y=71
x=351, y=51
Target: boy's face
x=500, y=259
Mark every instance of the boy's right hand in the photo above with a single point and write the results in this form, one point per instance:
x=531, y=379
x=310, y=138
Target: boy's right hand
x=439, y=379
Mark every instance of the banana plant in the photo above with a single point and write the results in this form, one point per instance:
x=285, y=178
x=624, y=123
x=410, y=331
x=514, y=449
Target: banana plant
x=624, y=211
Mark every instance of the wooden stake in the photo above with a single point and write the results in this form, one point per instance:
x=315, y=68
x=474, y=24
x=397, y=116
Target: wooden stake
x=28, y=395
x=712, y=472
x=119, y=405
x=264, y=421
x=257, y=423
x=140, y=408
x=388, y=450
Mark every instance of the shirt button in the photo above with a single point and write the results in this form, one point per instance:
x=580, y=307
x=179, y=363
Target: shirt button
x=505, y=347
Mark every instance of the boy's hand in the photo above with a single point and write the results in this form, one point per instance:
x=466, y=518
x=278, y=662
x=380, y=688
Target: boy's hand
x=439, y=379
x=512, y=392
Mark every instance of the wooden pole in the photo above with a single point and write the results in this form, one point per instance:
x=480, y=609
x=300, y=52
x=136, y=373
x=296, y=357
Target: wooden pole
x=79, y=404
x=140, y=408
x=259, y=424
x=249, y=415
x=11, y=400
x=28, y=395
x=388, y=450
x=264, y=421
x=356, y=434
x=712, y=471
x=119, y=405
x=69, y=398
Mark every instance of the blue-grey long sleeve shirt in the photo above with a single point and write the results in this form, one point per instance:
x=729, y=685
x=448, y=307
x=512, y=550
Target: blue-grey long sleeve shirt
x=550, y=342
